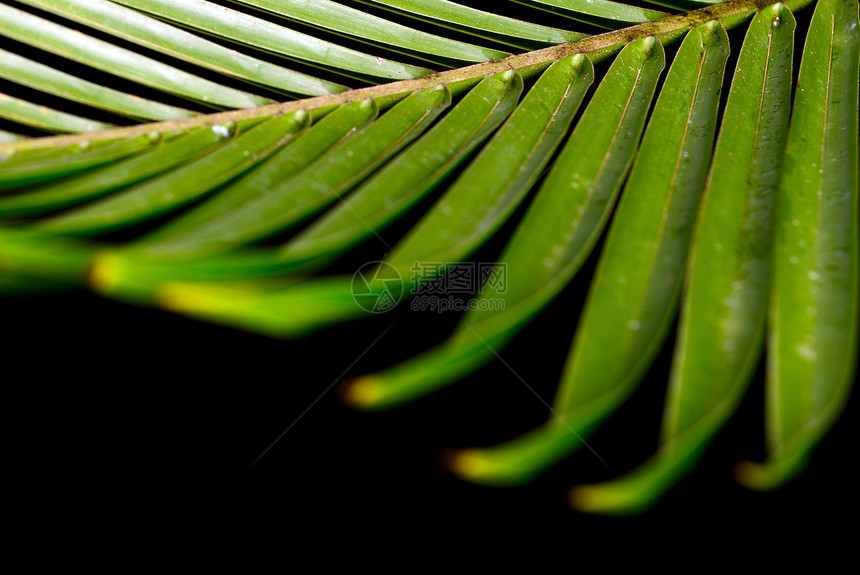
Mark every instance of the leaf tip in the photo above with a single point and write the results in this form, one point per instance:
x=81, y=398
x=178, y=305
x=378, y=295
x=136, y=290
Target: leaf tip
x=779, y=15
x=648, y=45
x=465, y=463
x=603, y=500
x=104, y=272
x=708, y=28
x=751, y=475
x=777, y=9
x=300, y=116
x=361, y=392
x=765, y=476
x=578, y=63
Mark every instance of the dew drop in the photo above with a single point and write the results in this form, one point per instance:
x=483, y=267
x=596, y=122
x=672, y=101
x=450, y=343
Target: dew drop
x=221, y=131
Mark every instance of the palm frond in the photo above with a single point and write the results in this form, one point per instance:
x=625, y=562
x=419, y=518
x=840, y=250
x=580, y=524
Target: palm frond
x=261, y=216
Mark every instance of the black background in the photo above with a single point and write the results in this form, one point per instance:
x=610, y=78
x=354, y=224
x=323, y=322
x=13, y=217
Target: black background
x=119, y=408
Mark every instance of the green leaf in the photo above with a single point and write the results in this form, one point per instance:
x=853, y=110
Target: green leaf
x=9, y=137
x=41, y=77
x=37, y=256
x=372, y=29
x=414, y=173
x=599, y=12
x=468, y=20
x=322, y=182
x=93, y=183
x=610, y=126
x=497, y=180
x=633, y=295
x=482, y=197
x=124, y=63
x=725, y=297
x=140, y=29
x=812, y=350
x=28, y=170
x=178, y=187
x=45, y=118
x=366, y=211
x=251, y=31
x=182, y=233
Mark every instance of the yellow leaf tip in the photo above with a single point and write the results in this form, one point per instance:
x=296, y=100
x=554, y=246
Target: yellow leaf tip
x=606, y=500
x=465, y=463
x=585, y=498
x=749, y=474
x=104, y=272
x=762, y=476
x=360, y=392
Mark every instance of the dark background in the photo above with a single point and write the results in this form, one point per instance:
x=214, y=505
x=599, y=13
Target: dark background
x=118, y=404
x=125, y=409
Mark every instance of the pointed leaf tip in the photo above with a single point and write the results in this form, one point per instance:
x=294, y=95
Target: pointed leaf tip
x=103, y=274
x=769, y=475
x=577, y=62
x=464, y=463
x=753, y=475
x=779, y=15
x=360, y=392
x=709, y=28
x=595, y=500
x=777, y=10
